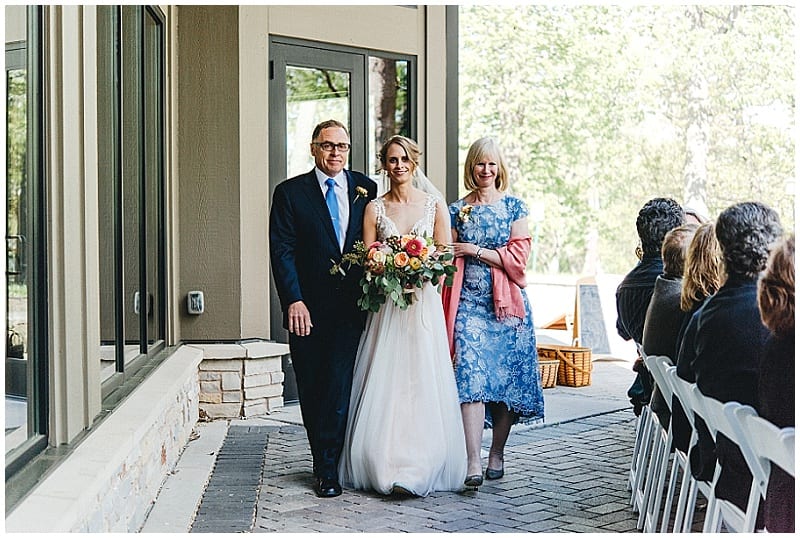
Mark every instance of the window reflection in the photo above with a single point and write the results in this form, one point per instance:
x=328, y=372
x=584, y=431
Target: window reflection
x=312, y=95
x=388, y=108
x=17, y=371
x=131, y=178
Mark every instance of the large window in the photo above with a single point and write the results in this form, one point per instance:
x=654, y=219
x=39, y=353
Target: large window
x=130, y=58
x=26, y=307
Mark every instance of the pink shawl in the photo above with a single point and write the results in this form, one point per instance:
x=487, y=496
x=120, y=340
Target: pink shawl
x=506, y=285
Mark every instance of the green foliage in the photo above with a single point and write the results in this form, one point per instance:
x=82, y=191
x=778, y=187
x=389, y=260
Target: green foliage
x=592, y=106
x=16, y=149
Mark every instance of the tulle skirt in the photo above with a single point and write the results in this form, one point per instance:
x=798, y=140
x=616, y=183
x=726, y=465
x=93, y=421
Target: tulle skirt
x=404, y=427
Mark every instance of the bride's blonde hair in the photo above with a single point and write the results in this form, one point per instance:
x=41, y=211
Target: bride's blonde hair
x=409, y=146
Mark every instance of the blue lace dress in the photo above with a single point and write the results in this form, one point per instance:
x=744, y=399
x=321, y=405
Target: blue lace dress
x=496, y=360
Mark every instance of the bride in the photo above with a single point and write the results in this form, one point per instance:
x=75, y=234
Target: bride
x=404, y=431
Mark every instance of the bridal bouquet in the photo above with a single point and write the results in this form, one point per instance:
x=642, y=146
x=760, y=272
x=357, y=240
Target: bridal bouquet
x=394, y=268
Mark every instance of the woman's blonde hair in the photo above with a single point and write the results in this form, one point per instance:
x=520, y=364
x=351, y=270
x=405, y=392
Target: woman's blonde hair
x=702, y=273
x=776, y=289
x=409, y=146
x=480, y=149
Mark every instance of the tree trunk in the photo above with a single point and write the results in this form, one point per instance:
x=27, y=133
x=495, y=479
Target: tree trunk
x=383, y=85
x=695, y=171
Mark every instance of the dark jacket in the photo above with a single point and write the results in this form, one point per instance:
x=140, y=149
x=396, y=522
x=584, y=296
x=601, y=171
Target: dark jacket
x=303, y=248
x=727, y=346
x=633, y=298
x=681, y=429
x=662, y=324
x=776, y=404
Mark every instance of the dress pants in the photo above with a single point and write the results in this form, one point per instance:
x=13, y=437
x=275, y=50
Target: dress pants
x=323, y=364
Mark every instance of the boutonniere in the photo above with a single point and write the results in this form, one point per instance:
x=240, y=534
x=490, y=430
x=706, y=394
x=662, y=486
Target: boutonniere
x=463, y=214
x=361, y=192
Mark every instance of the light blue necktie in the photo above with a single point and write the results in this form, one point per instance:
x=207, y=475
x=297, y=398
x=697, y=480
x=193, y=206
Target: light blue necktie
x=333, y=208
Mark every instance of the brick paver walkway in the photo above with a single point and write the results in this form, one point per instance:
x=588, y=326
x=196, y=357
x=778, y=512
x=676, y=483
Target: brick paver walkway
x=568, y=477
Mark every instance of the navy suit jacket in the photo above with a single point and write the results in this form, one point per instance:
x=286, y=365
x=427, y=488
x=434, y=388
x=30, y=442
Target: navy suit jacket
x=303, y=247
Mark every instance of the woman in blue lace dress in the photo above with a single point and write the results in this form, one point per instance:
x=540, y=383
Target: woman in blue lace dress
x=489, y=317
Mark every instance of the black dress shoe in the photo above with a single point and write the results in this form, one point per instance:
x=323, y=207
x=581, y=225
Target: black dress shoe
x=494, y=474
x=327, y=487
x=473, y=481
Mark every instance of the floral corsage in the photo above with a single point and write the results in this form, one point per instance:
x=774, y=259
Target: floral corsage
x=464, y=212
x=361, y=192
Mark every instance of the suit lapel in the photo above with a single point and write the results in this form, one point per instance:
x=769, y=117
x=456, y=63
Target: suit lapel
x=357, y=204
x=317, y=202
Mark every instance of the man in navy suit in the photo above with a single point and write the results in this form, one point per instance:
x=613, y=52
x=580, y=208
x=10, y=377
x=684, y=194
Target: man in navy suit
x=309, y=230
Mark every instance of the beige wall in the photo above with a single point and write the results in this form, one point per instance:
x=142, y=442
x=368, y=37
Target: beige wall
x=208, y=170
x=15, y=23
x=254, y=166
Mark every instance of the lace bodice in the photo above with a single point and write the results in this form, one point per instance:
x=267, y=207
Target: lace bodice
x=424, y=226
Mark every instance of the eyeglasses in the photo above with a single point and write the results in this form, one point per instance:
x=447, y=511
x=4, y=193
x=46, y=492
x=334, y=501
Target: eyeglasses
x=328, y=146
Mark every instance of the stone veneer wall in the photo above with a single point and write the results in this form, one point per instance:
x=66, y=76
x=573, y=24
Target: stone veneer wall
x=241, y=380
x=110, y=480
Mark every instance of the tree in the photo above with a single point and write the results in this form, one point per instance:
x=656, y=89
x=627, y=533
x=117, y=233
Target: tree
x=600, y=108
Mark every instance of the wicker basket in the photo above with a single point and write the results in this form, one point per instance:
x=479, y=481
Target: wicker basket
x=549, y=371
x=575, y=369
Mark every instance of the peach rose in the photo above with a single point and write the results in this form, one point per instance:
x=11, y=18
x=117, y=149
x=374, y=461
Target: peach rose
x=401, y=259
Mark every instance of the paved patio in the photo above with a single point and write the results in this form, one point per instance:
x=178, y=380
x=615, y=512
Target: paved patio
x=567, y=475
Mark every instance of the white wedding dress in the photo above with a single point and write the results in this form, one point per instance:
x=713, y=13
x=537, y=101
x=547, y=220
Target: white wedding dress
x=404, y=428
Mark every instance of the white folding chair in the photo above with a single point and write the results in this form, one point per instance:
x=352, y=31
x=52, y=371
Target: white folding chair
x=763, y=445
x=687, y=499
x=643, y=463
x=717, y=416
x=640, y=458
x=659, y=461
x=680, y=464
x=770, y=443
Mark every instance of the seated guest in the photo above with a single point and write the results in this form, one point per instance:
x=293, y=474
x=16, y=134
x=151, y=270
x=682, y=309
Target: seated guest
x=725, y=340
x=776, y=381
x=701, y=279
x=655, y=219
x=664, y=315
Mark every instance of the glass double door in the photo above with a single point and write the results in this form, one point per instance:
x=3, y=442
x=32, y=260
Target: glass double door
x=311, y=83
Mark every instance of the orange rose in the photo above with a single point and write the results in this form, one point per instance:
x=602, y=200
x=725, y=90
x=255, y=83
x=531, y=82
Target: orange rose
x=401, y=259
